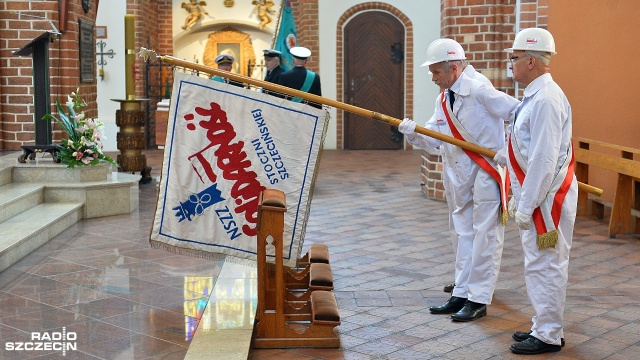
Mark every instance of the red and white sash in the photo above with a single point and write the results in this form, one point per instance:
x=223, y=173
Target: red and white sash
x=546, y=216
x=499, y=175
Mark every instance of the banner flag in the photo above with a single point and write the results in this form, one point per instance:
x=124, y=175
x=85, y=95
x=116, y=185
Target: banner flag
x=224, y=145
x=286, y=36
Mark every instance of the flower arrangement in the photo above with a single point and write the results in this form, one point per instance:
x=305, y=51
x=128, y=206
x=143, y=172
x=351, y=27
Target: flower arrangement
x=84, y=143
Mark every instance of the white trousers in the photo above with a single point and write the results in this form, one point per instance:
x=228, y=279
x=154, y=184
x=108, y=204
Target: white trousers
x=546, y=273
x=480, y=240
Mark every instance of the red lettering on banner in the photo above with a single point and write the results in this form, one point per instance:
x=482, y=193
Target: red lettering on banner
x=208, y=170
x=233, y=161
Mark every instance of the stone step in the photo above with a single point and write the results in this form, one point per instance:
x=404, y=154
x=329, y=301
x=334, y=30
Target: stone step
x=16, y=198
x=50, y=172
x=28, y=230
x=6, y=172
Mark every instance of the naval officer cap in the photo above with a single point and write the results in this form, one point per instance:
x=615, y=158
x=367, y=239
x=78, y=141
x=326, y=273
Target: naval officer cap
x=300, y=52
x=271, y=53
x=224, y=59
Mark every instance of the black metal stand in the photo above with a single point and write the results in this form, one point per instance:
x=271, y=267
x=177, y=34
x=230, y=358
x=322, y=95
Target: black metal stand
x=30, y=152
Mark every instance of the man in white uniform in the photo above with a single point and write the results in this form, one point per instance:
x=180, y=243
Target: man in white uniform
x=470, y=111
x=546, y=196
x=471, y=72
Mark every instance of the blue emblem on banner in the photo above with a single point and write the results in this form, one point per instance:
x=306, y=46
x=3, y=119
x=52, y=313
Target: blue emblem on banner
x=197, y=203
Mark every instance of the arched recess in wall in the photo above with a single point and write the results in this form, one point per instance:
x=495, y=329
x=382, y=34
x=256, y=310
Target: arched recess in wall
x=232, y=42
x=341, y=68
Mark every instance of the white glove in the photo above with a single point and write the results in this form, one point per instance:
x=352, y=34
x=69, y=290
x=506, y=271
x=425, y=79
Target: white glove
x=511, y=208
x=523, y=221
x=501, y=157
x=407, y=126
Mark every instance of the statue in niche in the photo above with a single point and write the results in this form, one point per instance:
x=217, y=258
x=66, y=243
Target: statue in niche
x=195, y=10
x=263, y=9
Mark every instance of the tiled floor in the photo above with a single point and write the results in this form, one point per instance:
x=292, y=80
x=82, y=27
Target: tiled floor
x=390, y=257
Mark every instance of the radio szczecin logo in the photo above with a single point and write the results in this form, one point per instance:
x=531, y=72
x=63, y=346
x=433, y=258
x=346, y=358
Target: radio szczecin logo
x=46, y=341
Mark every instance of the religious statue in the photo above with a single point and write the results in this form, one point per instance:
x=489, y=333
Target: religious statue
x=195, y=10
x=263, y=9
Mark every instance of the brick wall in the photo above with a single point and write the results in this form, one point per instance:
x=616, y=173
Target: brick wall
x=16, y=81
x=484, y=28
x=305, y=13
x=431, y=175
x=147, y=28
x=164, y=30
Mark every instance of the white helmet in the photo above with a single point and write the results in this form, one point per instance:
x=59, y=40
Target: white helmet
x=533, y=39
x=444, y=50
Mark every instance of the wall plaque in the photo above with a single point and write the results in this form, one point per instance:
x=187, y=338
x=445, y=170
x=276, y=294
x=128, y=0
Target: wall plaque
x=87, y=52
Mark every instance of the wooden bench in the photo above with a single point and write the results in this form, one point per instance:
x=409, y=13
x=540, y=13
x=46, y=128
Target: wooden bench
x=280, y=322
x=625, y=217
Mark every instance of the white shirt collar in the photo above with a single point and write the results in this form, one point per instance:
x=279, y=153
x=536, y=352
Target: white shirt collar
x=537, y=84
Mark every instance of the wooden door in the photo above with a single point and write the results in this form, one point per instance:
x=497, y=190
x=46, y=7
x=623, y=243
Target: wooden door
x=374, y=80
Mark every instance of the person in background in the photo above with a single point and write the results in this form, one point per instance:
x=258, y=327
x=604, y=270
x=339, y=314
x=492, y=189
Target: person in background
x=540, y=158
x=225, y=63
x=470, y=111
x=299, y=77
x=272, y=63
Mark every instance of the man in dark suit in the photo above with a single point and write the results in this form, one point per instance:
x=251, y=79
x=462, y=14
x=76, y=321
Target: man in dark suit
x=299, y=77
x=272, y=63
x=225, y=63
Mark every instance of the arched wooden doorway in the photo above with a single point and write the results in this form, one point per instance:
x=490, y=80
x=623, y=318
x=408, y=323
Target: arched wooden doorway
x=374, y=79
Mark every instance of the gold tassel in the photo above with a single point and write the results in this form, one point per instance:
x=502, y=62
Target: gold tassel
x=548, y=240
x=504, y=217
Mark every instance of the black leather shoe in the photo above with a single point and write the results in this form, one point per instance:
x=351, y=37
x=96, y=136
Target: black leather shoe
x=532, y=346
x=449, y=288
x=453, y=305
x=471, y=311
x=522, y=336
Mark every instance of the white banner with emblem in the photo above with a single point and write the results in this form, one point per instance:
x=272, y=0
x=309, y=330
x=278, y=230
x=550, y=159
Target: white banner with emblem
x=224, y=145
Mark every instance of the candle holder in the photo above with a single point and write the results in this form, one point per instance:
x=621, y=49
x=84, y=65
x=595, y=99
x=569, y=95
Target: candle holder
x=131, y=140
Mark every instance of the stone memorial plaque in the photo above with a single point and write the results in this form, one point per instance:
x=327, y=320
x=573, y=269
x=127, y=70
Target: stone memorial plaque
x=87, y=52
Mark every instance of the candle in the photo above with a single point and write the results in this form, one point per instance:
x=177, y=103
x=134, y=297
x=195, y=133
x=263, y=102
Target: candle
x=130, y=58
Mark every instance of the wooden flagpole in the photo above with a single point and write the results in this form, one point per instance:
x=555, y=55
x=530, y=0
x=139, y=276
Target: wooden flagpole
x=149, y=54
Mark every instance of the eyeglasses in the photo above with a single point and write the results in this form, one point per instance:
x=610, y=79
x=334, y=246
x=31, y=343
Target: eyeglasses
x=514, y=59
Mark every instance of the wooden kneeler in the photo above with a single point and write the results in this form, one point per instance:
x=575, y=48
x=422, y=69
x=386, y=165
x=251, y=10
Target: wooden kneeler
x=281, y=323
x=300, y=277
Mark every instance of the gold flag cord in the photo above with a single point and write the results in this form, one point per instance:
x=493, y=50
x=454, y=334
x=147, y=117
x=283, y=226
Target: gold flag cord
x=146, y=54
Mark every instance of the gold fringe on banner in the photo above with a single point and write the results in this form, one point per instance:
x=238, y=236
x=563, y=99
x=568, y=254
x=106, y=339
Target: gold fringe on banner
x=201, y=254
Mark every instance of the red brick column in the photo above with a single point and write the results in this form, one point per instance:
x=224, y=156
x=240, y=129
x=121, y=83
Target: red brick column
x=431, y=179
x=305, y=14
